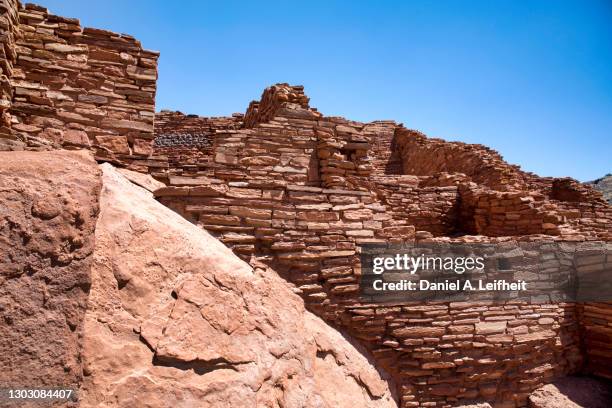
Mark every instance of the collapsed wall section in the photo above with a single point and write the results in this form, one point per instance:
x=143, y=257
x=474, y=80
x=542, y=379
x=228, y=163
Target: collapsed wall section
x=280, y=100
x=498, y=199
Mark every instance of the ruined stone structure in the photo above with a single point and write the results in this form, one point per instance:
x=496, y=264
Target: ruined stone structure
x=64, y=85
x=185, y=140
x=302, y=191
x=298, y=191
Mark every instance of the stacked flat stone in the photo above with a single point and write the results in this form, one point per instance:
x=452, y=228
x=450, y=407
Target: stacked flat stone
x=424, y=156
x=81, y=87
x=282, y=99
x=184, y=142
x=199, y=140
x=9, y=21
x=289, y=187
x=302, y=192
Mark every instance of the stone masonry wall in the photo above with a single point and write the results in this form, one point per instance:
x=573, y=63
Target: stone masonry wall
x=286, y=100
x=9, y=21
x=496, y=213
x=424, y=156
x=80, y=87
x=596, y=323
x=302, y=192
x=185, y=142
x=299, y=191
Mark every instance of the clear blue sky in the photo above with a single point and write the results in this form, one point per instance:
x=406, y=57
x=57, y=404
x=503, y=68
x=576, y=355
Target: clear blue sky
x=532, y=79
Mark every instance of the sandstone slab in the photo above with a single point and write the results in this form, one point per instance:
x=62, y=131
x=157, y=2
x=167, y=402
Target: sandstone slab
x=176, y=319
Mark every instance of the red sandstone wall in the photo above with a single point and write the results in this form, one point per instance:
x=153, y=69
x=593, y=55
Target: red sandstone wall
x=278, y=100
x=384, y=154
x=81, y=87
x=186, y=141
x=596, y=322
x=422, y=156
x=302, y=192
x=434, y=209
x=8, y=25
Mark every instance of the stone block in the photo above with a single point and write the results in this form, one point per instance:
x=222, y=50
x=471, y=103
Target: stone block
x=490, y=327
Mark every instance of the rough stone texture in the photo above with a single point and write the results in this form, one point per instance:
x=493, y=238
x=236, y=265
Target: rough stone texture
x=186, y=140
x=596, y=324
x=573, y=392
x=301, y=192
x=48, y=208
x=64, y=85
x=175, y=315
x=291, y=189
x=8, y=29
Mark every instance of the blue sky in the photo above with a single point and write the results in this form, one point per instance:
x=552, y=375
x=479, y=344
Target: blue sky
x=532, y=79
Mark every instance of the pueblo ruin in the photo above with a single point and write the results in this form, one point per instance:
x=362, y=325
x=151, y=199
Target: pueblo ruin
x=292, y=193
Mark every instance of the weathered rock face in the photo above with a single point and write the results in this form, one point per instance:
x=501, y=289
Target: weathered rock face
x=48, y=209
x=177, y=316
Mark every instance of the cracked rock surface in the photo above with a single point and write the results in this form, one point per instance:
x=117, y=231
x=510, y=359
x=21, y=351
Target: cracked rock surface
x=176, y=319
x=48, y=209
